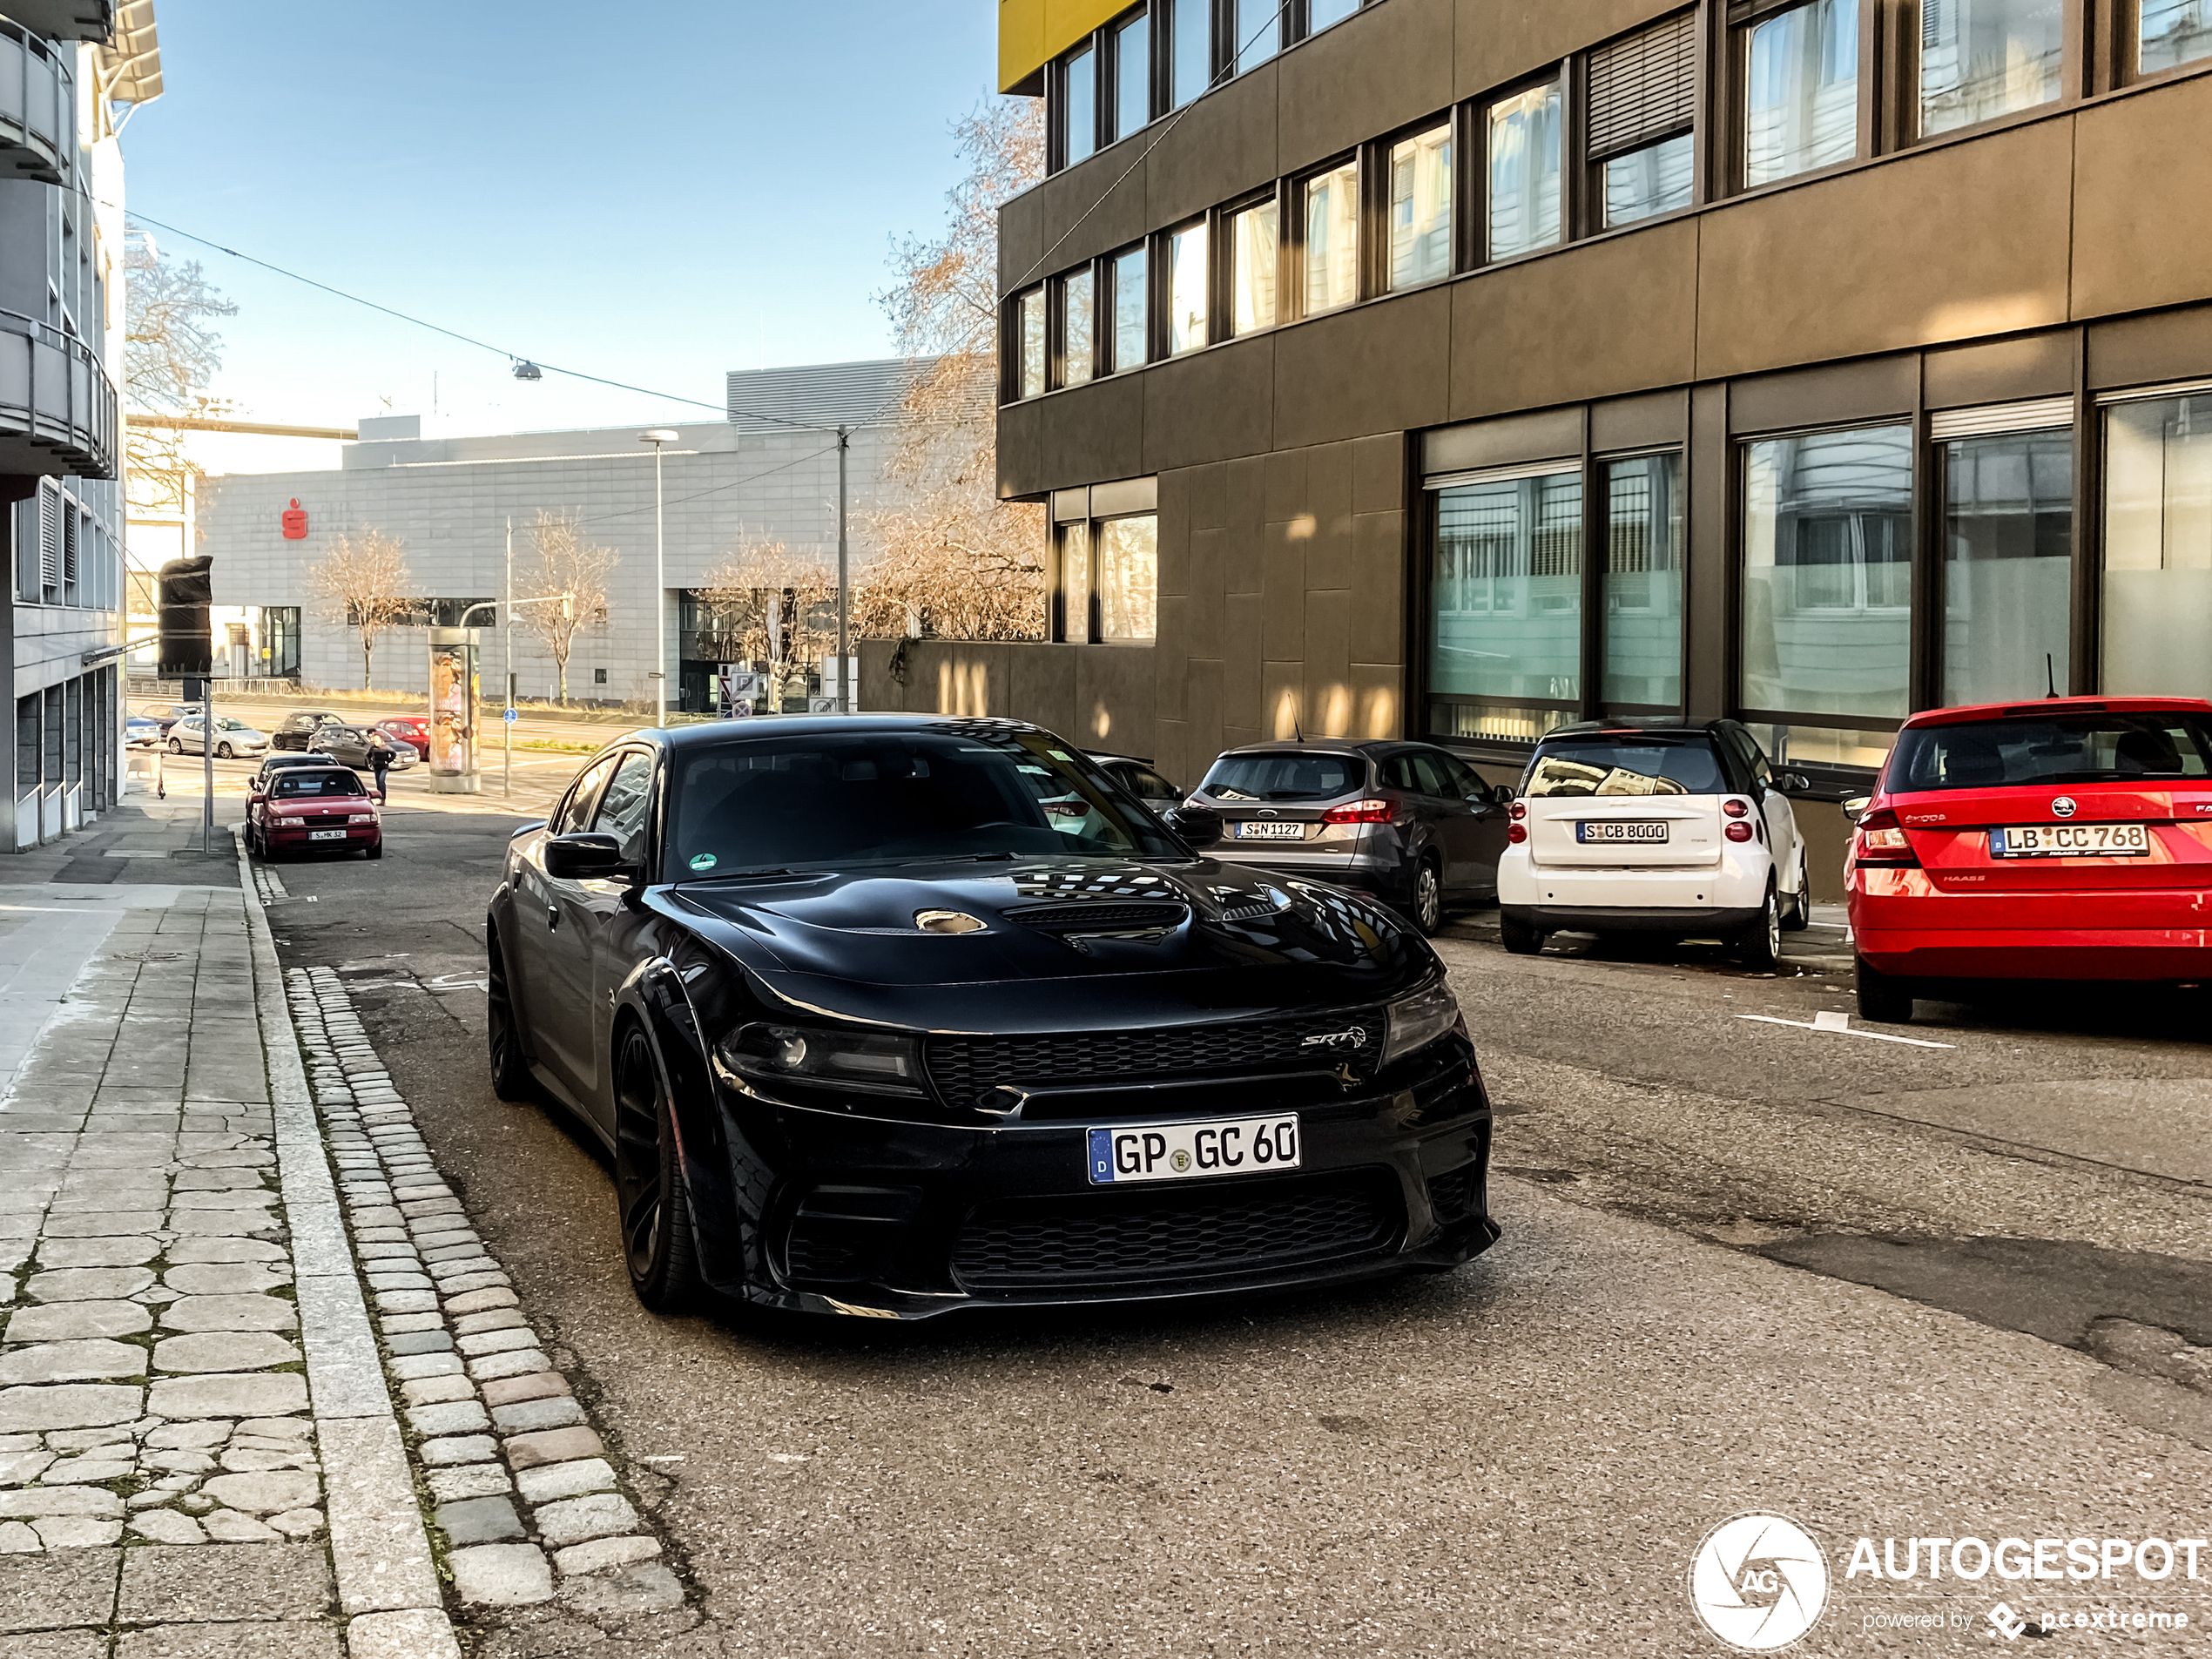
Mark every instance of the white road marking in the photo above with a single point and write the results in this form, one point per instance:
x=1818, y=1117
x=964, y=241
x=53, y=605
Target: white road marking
x=1840, y=1025
x=461, y=982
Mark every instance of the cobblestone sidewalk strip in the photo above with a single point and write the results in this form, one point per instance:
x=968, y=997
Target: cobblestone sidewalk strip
x=530, y=1505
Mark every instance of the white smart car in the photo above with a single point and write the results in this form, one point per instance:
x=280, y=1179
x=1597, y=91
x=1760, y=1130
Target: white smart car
x=1628, y=826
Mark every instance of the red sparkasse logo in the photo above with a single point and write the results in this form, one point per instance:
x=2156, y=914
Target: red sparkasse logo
x=295, y=521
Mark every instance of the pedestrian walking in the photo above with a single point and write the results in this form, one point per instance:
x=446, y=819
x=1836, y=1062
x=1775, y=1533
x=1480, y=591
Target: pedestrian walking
x=380, y=759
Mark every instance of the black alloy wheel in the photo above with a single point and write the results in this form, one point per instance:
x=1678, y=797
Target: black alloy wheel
x=510, y=1072
x=1519, y=937
x=1760, y=947
x=1427, y=908
x=1882, y=999
x=655, y=1215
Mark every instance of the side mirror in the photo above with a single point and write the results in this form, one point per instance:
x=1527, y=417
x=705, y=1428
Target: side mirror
x=1855, y=806
x=1792, y=783
x=584, y=856
x=1198, y=825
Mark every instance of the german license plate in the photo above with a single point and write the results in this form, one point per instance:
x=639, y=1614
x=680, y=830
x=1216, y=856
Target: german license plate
x=1620, y=829
x=326, y=835
x=2070, y=840
x=1271, y=831
x=1188, y=1152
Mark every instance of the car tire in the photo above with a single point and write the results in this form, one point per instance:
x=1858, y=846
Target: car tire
x=1759, y=947
x=223, y=751
x=374, y=850
x=653, y=1211
x=510, y=1070
x=1797, y=916
x=176, y=745
x=1424, y=905
x=1521, y=938
x=1883, y=999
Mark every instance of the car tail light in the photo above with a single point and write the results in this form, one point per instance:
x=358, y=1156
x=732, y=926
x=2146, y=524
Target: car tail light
x=1360, y=812
x=1518, y=810
x=1516, y=834
x=1737, y=831
x=1881, y=842
x=1736, y=809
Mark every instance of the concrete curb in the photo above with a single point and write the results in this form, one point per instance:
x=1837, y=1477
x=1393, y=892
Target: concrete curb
x=379, y=1547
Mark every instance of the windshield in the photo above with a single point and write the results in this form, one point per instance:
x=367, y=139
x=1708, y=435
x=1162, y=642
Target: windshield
x=1618, y=765
x=1285, y=777
x=291, y=784
x=949, y=790
x=2083, y=748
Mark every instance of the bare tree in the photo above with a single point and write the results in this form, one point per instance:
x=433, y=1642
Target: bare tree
x=765, y=604
x=170, y=355
x=363, y=582
x=567, y=563
x=955, y=558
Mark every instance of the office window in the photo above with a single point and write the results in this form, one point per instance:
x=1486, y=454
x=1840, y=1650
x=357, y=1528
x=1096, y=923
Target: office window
x=1321, y=14
x=1075, y=583
x=1078, y=327
x=2172, y=32
x=1078, y=105
x=1506, y=598
x=1129, y=579
x=2008, y=565
x=1801, y=90
x=1031, y=327
x=1828, y=573
x=1524, y=171
x=1983, y=58
x=1132, y=76
x=2158, y=547
x=1130, y=344
x=1251, y=269
x=1186, y=289
x=1259, y=32
x=1643, y=567
x=1190, y=50
x=1643, y=105
x=1420, y=208
x=1332, y=239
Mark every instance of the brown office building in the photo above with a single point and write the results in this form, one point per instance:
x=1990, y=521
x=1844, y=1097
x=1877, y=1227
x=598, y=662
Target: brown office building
x=1459, y=369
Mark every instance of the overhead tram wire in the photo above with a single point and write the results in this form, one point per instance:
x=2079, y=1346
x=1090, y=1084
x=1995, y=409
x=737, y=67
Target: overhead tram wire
x=1228, y=73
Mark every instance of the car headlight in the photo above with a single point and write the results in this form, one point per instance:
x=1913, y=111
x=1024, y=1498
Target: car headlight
x=361, y=818
x=1417, y=1021
x=864, y=1061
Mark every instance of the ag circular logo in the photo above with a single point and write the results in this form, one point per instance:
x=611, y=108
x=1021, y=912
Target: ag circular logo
x=1759, y=1582
x=2062, y=808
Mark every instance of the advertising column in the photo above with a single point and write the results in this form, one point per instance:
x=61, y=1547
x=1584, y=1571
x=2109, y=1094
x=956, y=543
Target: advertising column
x=453, y=711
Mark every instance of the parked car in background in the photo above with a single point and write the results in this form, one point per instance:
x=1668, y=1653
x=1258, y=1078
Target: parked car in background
x=1655, y=827
x=409, y=729
x=275, y=762
x=307, y=809
x=297, y=730
x=1409, y=822
x=234, y=739
x=141, y=731
x=173, y=713
x=2066, y=838
x=349, y=744
x=1140, y=780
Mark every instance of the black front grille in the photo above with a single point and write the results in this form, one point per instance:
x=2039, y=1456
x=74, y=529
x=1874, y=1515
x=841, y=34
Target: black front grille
x=1451, y=1196
x=1138, y=1238
x=964, y=1068
x=321, y=820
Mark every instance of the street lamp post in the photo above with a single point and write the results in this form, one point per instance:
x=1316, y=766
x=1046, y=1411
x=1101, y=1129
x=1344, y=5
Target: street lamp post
x=657, y=437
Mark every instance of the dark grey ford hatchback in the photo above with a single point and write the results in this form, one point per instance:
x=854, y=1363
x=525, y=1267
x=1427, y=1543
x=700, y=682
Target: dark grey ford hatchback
x=891, y=1015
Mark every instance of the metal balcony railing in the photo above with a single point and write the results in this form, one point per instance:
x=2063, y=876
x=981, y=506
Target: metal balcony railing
x=37, y=108
x=58, y=406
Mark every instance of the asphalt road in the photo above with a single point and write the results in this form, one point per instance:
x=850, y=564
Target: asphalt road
x=1884, y=1289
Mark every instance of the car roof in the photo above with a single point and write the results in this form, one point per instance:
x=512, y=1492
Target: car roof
x=1322, y=747
x=2049, y=705
x=707, y=733
x=1639, y=725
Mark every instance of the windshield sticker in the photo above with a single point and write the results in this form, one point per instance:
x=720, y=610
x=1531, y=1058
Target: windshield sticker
x=704, y=860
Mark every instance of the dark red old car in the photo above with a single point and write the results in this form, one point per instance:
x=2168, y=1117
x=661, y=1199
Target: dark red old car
x=408, y=728
x=306, y=809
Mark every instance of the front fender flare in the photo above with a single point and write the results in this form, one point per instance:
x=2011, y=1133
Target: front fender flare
x=654, y=996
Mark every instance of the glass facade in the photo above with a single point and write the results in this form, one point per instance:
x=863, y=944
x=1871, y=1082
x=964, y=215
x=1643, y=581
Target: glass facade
x=2172, y=32
x=1033, y=342
x=2008, y=565
x=1420, y=209
x=1187, y=289
x=1259, y=32
x=1252, y=244
x=1506, y=598
x=1075, y=583
x=1524, y=171
x=1983, y=58
x=1801, y=90
x=1132, y=76
x=1078, y=327
x=1079, y=104
x=1332, y=239
x=1128, y=580
x=2157, y=612
x=1130, y=344
x=1655, y=179
x=1828, y=573
x=1322, y=13
x=1644, y=540
x=1190, y=57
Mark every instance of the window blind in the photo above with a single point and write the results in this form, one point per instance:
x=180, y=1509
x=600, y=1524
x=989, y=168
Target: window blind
x=1643, y=87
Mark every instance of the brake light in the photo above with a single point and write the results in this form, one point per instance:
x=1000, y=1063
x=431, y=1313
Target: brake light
x=1360, y=812
x=1737, y=831
x=1518, y=810
x=1881, y=842
x=1736, y=809
x=1516, y=834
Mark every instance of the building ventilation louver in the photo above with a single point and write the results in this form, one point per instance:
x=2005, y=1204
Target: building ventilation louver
x=1644, y=88
x=49, y=539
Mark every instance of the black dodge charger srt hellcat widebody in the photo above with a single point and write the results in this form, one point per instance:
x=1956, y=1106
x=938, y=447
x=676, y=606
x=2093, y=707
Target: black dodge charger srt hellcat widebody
x=889, y=1016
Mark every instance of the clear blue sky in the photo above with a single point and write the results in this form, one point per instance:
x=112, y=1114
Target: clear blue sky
x=633, y=191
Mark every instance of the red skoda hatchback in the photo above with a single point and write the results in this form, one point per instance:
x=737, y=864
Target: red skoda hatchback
x=2069, y=839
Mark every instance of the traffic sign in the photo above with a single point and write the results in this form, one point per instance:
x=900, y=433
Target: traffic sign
x=510, y=716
